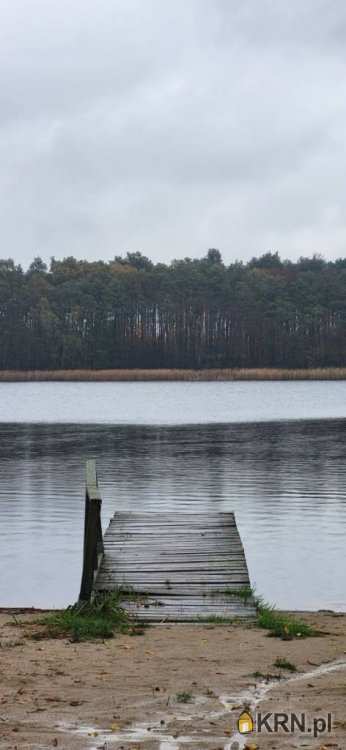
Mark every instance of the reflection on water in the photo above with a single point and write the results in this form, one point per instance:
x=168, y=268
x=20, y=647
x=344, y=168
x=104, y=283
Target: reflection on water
x=286, y=482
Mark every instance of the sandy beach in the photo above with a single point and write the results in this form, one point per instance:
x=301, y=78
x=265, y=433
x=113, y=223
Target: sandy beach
x=175, y=686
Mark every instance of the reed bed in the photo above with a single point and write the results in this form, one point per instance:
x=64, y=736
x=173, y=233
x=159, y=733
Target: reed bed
x=224, y=374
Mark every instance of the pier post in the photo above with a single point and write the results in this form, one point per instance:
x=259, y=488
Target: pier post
x=93, y=540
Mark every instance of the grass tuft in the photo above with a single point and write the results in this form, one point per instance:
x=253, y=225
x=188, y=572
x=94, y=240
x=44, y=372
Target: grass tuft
x=281, y=625
x=101, y=618
x=183, y=697
x=244, y=592
x=285, y=664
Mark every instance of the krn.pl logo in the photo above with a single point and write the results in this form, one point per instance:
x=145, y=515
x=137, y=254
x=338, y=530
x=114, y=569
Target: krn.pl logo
x=245, y=723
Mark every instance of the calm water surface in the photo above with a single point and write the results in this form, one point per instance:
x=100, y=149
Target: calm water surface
x=221, y=446
x=171, y=403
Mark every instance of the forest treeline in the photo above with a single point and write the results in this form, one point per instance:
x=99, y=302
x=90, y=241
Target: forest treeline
x=193, y=313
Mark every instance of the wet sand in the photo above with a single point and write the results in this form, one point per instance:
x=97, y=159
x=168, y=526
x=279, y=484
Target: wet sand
x=126, y=692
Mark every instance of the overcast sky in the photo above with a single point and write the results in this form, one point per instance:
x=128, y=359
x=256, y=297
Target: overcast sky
x=171, y=126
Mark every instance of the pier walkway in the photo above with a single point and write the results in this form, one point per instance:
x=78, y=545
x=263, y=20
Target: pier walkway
x=169, y=566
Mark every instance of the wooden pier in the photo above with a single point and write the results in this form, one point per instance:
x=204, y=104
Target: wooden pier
x=175, y=566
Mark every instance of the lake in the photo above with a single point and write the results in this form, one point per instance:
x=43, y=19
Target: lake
x=275, y=453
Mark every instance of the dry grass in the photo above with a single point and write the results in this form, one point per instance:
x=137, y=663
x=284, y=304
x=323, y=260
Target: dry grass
x=226, y=374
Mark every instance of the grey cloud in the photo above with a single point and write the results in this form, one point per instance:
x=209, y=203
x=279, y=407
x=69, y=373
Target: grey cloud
x=171, y=127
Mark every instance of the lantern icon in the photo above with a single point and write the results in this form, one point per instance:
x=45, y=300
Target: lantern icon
x=245, y=723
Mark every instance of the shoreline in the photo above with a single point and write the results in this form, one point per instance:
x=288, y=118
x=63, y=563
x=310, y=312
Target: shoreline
x=19, y=610
x=189, y=681
x=173, y=375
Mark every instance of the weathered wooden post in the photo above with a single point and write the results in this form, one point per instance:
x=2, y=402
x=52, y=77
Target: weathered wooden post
x=93, y=540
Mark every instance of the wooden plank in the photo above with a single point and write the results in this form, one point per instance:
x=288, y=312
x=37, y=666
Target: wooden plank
x=172, y=538
x=121, y=527
x=162, y=563
x=169, y=556
x=173, y=520
x=209, y=589
x=196, y=599
x=226, y=526
x=160, y=544
x=184, y=589
x=172, y=553
x=184, y=609
x=188, y=542
x=205, y=566
x=194, y=606
x=177, y=576
x=153, y=585
x=182, y=563
x=165, y=614
x=187, y=603
x=172, y=527
x=132, y=515
x=204, y=588
x=151, y=582
x=195, y=546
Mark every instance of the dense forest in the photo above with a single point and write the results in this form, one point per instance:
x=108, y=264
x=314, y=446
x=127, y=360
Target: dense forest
x=129, y=313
